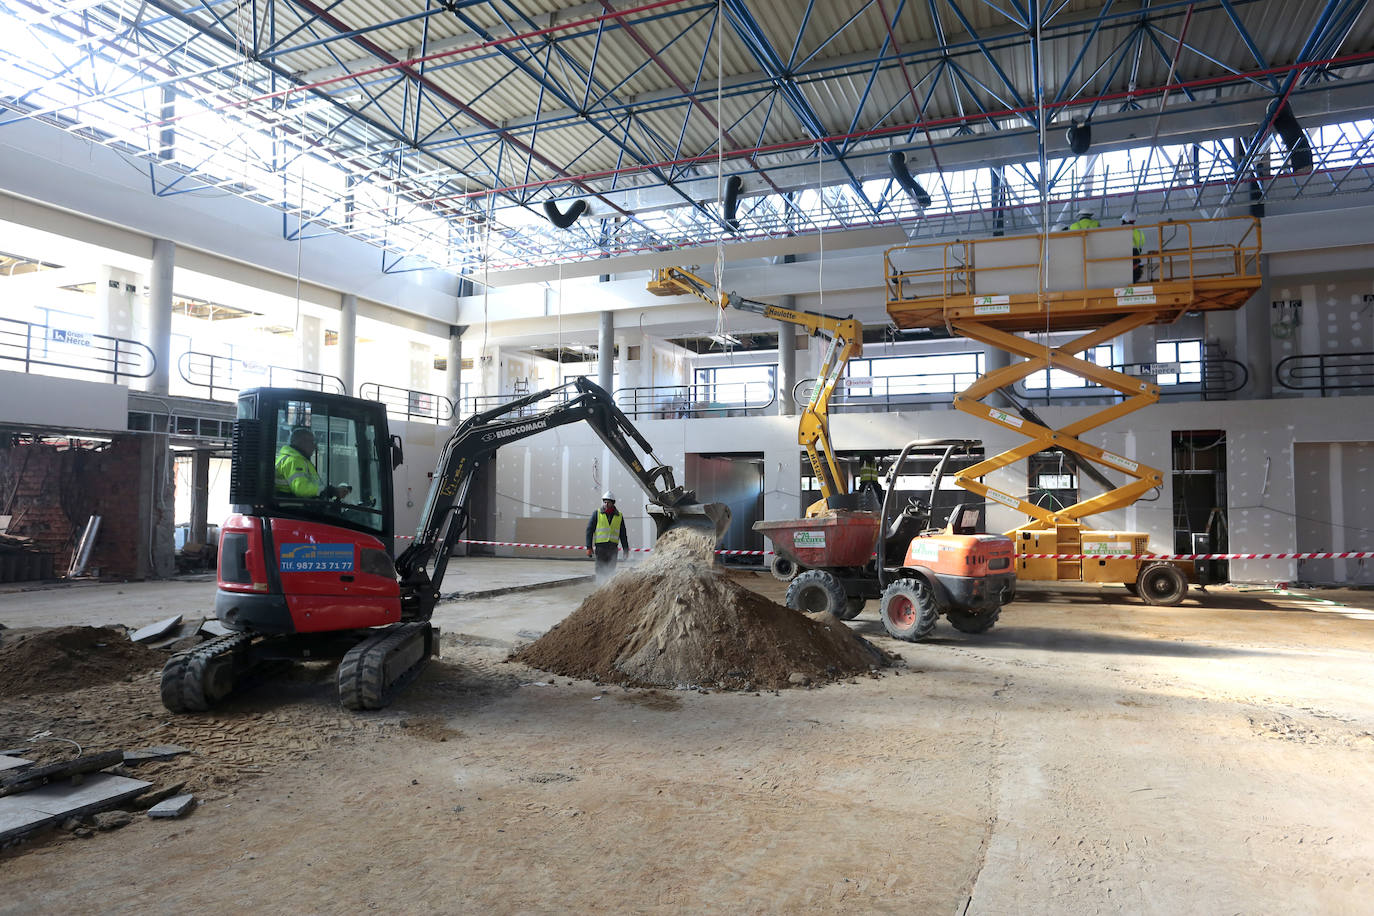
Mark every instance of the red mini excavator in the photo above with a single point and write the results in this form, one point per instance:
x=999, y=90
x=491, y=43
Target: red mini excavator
x=307, y=568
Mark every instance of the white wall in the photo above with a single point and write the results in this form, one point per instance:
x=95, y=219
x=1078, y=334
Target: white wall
x=564, y=471
x=63, y=404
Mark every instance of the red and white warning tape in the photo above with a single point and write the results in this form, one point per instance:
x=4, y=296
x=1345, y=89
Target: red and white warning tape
x=1346, y=555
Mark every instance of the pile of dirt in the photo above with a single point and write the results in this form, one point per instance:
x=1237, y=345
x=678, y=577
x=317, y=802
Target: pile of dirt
x=678, y=621
x=53, y=660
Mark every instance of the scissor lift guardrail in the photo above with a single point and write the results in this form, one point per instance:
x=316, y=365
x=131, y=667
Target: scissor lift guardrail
x=1091, y=281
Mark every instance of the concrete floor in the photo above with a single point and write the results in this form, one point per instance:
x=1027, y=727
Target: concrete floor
x=134, y=604
x=1090, y=754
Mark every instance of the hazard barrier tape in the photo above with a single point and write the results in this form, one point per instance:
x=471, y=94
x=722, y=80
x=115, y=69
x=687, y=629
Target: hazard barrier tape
x=1346, y=555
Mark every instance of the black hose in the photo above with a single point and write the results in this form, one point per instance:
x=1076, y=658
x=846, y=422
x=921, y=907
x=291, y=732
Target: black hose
x=564, y=220
x=896, y=161
x=732, y=188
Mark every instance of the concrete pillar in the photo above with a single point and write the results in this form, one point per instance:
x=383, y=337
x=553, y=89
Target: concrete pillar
x=160, y=313
x=1258, y=335
x=310, y=344
x=421, y=366
x=995, y=358
x=200, y=495
x=787, y=362
x=605, y=352
x=348, y=341
x=114, y=292
x=454, y=374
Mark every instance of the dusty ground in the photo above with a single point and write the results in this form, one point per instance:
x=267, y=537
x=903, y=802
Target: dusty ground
x=1084, y=756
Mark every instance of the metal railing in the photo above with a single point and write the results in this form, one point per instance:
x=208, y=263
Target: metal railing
x=1206, y=377
x=1326, y=372
x=224, y=373
x=478, y=403
x=667, y=402
x=38, y=345
x=887, y=391
x=403, y=402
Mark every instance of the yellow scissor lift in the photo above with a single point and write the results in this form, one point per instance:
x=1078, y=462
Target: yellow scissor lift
x=1079, y=281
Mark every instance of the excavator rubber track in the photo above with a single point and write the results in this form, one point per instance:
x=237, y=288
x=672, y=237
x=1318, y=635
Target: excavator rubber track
x=194, y=681
x=376, y=669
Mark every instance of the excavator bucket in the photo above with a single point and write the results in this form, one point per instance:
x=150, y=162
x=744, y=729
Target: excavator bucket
x=713, y=518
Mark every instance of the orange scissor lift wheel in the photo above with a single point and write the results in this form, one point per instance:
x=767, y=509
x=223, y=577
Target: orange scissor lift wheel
x=1079, y=281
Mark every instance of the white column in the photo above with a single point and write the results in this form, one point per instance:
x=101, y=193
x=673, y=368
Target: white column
x=995, y=358
x=787, y=361
x=348, y=341
x=605, y=352
x=454, y=375
x=160, y=313
x=1259, y=342
x=309, y=343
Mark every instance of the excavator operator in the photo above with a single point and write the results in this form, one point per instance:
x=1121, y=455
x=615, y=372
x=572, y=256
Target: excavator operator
x=296, y=474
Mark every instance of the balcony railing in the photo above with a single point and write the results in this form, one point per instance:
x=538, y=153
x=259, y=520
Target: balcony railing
x=412, y=405
x=888, y=391
x=41, y=348
x=224, y=373
x=1208, y=378
x=719, y=399
x=1326, y=372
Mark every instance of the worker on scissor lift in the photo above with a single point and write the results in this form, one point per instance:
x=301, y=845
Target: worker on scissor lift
x=1086, y=220
x=1137, y=246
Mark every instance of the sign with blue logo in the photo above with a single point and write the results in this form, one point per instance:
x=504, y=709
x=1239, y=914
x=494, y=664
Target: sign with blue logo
x=317, y=558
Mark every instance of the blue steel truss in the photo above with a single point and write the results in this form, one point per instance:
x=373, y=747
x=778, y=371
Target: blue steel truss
x=439, y=130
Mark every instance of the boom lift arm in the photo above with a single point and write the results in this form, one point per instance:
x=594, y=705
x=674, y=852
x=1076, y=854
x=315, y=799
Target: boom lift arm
x=445, y=515
x=846, y=336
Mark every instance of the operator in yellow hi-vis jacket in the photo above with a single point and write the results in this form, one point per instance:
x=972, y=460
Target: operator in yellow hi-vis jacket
x=296, y=474
x=605, y=533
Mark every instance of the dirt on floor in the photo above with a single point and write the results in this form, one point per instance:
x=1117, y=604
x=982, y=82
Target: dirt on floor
x=679, y=620
x=1087, y=755
x=35, y=660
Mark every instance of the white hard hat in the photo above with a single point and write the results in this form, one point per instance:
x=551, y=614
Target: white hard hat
x=1085, y=213
x=1128, y=216
x=608, y=495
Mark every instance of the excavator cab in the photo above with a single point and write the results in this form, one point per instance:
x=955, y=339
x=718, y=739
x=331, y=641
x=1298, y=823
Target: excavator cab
x=282, y=433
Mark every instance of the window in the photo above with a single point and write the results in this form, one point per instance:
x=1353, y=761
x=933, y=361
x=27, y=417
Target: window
x=736, y=384
x=940, y=373
x=1187, y=354
x=1059, y=378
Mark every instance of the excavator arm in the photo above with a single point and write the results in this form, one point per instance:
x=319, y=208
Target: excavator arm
x=476, y=440
x=846, y=337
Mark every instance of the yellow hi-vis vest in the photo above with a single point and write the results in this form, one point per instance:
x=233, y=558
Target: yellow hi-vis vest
x=1086, y=222
x=868, y=473
x=296, y=476
x=607, y=529
x=1138, y=239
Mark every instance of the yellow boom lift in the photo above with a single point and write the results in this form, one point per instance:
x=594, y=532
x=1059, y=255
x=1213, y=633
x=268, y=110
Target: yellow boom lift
x=846, y=336
x=1079, y=282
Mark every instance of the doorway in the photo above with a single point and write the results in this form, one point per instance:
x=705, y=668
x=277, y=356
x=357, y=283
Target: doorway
x=736, y=479
x=1199, y=484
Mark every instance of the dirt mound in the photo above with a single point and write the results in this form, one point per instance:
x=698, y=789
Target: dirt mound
x=677, y=620
x=37, y=661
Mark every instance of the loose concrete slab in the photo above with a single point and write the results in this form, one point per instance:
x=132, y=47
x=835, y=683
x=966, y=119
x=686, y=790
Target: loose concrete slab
x=10, y=763
x=156, y=630
x=159, y=752
x=20, y=814
x=175, y=806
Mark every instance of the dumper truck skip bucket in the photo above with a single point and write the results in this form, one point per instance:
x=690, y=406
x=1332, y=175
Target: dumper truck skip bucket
x=843, y=539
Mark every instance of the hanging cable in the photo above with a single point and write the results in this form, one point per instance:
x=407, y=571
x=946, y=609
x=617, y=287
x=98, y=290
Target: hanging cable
x=1163, y=100
x=721, y=334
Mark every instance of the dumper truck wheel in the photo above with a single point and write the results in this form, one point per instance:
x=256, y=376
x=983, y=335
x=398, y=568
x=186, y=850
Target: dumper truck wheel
x=908, y=610
x=783, y=569
x=1162, y=584
x=971, y=622
x=816, y=590
x=853, y=607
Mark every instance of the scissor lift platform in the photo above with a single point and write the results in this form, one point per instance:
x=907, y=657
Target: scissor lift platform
x=991, y=290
